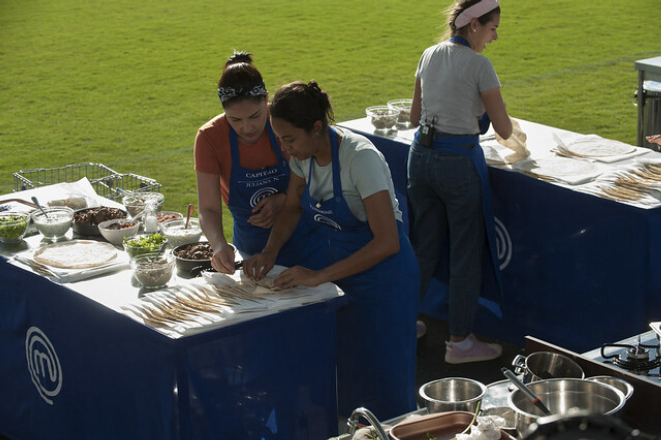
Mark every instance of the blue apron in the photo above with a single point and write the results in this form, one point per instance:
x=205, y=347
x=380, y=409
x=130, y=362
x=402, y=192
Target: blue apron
x=457, y=145
x=376, y=330
x=247, y=188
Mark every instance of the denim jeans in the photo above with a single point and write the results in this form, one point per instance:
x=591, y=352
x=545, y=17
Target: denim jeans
x=445, y=195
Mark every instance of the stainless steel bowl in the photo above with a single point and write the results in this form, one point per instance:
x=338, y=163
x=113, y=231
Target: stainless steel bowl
x=562, y=396
x=452, y=394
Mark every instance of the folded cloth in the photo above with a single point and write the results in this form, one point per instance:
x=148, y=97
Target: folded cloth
x=516, y=142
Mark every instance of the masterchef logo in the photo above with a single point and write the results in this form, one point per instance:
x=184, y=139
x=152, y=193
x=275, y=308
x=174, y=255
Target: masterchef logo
x=326, y=221
x=504, y=244
x=261, y=194
x=43, y=364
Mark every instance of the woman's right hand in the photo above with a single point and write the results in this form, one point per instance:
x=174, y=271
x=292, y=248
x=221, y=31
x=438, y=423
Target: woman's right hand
x=223, y=259
x=257, y=266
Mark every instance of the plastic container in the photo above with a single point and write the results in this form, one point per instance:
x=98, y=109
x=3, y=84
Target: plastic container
x=383, y=118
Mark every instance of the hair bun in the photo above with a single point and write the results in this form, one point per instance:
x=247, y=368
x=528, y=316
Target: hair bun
x=240, y=57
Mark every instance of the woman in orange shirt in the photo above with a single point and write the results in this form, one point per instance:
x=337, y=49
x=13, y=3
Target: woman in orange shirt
x=238, y=159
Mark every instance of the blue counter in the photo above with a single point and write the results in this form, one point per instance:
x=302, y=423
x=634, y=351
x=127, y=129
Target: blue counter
x=73, y=368
x=577, y=270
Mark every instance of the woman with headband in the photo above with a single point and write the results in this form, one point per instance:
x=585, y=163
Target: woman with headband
x=342, y=181
x=239, y=161
x=456, y=92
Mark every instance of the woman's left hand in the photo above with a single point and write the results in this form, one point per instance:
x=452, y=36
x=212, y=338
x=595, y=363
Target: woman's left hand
x=267, y=210
x=297, y=276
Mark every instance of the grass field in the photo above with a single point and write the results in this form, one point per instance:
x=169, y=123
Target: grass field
x=128, y=83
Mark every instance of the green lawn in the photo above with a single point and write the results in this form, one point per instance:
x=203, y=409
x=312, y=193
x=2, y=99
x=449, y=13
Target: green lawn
x=128, y=83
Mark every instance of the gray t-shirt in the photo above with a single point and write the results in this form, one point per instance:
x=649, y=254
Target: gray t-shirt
x=452, y=78
x=363, y=172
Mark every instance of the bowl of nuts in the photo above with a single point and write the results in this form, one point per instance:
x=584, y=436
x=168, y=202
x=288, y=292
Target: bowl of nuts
x=383, y=118
x=153, y=270
x=404, y=106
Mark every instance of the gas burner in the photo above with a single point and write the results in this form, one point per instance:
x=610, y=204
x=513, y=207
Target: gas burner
x=639, y=358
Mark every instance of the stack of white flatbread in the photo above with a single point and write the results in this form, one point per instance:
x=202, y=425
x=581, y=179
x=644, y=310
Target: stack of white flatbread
x=593, y=146
x=77, y=254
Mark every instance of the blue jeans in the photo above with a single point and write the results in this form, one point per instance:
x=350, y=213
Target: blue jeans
x=445, y=195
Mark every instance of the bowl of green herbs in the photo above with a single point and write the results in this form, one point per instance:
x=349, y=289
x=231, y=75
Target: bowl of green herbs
x=144, y=244
x=13, y=226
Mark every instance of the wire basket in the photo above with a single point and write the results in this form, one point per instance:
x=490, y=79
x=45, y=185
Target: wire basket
x=105, y=181
x=118, y=185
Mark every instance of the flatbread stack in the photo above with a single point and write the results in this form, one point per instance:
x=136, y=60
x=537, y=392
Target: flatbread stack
x=558, y=168
x=77, y=254
x=516, y=142
x=593, y=146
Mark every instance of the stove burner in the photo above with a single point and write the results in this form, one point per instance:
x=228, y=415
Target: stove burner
x=639, y=358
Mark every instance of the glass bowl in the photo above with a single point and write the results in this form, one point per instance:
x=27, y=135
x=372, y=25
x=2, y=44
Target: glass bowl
x=136, y=202
x=13, y=226
x=114, y=230
x=153, y=270
x=144, y=244
x=54, y=222
x=404, y=106
x=383, y=118
x=176, y=234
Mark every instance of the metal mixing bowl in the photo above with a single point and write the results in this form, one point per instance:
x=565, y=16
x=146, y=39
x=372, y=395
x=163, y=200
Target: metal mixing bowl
x=452, y=394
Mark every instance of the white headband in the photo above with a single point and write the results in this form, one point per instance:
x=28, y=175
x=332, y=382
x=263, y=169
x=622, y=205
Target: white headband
x=475, y=11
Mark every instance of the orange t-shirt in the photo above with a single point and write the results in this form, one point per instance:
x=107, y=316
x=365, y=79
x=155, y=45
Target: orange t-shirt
x=213, y=154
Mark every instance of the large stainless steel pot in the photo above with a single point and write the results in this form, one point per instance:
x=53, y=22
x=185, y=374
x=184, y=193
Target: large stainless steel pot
x=546, y=365
x=562, y=396
x=452, y=394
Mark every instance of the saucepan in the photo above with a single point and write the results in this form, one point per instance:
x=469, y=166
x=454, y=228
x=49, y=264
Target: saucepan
x=546, y=365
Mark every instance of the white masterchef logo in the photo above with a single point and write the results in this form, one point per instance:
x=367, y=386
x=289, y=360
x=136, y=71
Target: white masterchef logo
x=262, y=193
x=43, y=364
x=503, y=244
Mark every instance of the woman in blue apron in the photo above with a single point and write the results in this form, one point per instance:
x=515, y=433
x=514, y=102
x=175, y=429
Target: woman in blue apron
x=448, y=186
x=238, y=160
x=344, y=184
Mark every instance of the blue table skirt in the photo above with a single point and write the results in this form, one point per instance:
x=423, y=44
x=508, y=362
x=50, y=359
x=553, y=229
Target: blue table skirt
x=74, y=369
x=578, y=271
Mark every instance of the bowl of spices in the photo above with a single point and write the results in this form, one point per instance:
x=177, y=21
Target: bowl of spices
x=144, y=244
x=153, y=270
x=13, y=226
x=136, y=202
x=382, y=117
x=54, y=222
x=114, y=230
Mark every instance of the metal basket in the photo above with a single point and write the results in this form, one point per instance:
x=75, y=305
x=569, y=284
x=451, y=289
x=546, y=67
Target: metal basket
x=105, y=181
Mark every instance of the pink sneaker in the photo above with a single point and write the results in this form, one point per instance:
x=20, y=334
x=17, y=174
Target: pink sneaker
x=480, y=351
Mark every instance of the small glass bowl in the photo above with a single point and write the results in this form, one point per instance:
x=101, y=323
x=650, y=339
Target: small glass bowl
x=174, y=231
x=136, y=202
x=383, y=118
x=54, y=222
x=133, y=247
x=153, y=270
x=404, y=106
x=13, y=226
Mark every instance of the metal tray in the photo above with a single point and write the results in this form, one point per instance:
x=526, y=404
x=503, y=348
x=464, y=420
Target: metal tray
x=443, y=426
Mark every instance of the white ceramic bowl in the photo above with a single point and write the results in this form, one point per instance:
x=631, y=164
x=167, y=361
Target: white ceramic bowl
x=54, y=222
x=114, y=230
x=174, y=231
